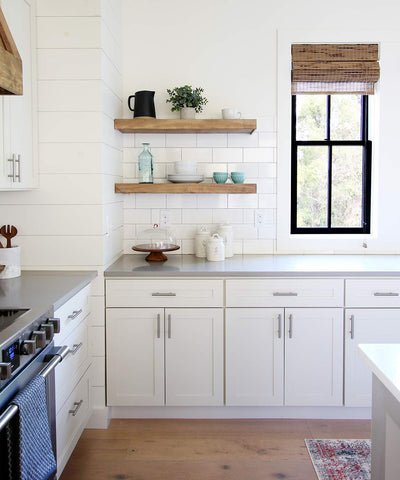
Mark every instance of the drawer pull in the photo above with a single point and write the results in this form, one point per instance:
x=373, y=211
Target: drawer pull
x=163, y=294
x=74, y=314
x=279, y=326
x=386, y=294
x=158, y=325
x=290, y=326
x=352, y=327
x=75, y=348
x=284, y=294
x=77, y=406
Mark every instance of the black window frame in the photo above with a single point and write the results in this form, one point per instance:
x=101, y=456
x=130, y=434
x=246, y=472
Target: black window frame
x=366, y=174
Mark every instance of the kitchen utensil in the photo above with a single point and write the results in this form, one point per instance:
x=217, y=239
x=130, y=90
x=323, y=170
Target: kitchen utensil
x=226, y=232
x=220, y=177
x=144, y=104
x=230, y=113
x=156, y=241
x=200, y=242
x=1, y=266
x=238, y=177
x=8, y=232
x=215, y=248
x=178, y=178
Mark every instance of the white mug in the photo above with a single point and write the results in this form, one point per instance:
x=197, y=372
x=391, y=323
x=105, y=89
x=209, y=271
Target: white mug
x=230, y=114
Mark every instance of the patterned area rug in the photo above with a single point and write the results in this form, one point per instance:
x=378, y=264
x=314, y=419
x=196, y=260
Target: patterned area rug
x=341, y=459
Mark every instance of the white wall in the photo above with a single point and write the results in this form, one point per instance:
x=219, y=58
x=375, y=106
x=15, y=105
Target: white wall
x=229, y=48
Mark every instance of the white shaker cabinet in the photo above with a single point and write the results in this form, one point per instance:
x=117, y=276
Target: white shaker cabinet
x=254, y=356
x=190, y=367
x=18, y=113
x=373, y=325
x=314, y=356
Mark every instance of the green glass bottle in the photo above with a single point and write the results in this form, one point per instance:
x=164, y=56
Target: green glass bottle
x=146, y=165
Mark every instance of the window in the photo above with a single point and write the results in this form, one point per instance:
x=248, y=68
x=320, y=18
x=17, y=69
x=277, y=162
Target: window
x=331, y=164
x=331, y=152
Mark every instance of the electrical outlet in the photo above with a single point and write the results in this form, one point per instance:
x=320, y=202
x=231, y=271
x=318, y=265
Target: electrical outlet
x=165, y=218
x=258, y=218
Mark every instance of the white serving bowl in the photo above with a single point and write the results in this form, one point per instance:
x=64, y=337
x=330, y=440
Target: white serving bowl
x=186, y=167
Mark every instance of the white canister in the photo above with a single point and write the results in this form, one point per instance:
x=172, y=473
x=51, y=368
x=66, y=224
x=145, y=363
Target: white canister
x=226, y=232
x=11, y=259
x=200, y=242
x=215, y=248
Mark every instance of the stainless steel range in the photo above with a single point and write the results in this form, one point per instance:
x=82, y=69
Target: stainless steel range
x=26, y=349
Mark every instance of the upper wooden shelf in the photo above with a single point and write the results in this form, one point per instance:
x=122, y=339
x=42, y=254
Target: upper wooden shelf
x=168, y=125
x=185, y=188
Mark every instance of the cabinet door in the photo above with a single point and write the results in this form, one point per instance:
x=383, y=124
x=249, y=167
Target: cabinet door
x=365, y=326
x=194, y=356
x=135, y=356
x=314, y=356
x=19, y=111
x=254, y=356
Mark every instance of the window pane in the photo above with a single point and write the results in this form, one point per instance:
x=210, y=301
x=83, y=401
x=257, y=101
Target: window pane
x=347, y=186
x=312, y=191
x=311, y=117
x=345, y=117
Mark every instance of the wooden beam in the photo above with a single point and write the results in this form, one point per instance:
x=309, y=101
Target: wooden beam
x=10, y=62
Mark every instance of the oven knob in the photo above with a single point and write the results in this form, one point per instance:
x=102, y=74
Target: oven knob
x=56, y=324
x=48, y=329
x=40, y=338
x=28, y=347
x=5, y=371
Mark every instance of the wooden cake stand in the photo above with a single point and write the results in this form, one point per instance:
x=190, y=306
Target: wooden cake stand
x=156, y=253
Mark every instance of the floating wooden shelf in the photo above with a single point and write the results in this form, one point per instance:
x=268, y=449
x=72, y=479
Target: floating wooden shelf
x=160, y=125
x=185, y=188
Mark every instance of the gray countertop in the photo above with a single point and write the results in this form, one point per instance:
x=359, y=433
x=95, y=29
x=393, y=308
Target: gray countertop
x=43, y=288
x=258, y=266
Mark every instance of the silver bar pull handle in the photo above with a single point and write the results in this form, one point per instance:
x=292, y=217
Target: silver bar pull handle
x=284, y=294
x=169, y=326
x=74, y=314
x=158, y=325
x=77, y=406
x=279, y=326
x=352, y=327
x=290, y=326
x=75, y=348
x=386, y=294
x=163, y=294
x=18, y=160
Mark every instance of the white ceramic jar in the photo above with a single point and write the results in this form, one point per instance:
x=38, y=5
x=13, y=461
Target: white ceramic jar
x=200, y=242
x=226, y=232
x=215, y=248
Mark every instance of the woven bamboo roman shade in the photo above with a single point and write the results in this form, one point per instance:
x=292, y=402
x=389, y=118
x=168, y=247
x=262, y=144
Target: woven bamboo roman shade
x=334, y=68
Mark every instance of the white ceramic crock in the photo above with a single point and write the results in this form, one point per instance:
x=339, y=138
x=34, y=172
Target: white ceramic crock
x=200, y=242
x=226, y=232
x=215, y=248
x=11, y=259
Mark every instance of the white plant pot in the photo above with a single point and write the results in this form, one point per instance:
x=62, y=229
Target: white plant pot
x=187, y=112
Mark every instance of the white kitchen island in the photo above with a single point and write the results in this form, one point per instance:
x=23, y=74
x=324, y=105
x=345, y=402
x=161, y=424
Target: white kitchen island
x=384, y=361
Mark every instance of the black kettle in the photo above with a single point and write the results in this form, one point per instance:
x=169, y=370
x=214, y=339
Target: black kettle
x=144, y=104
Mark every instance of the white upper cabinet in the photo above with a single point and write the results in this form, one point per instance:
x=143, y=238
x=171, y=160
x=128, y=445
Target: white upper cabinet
x=18, y=113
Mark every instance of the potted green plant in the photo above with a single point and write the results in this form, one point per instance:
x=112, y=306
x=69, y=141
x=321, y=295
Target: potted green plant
x=187, y=100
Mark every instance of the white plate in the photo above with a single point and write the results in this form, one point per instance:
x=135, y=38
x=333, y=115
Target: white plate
x=180, y=178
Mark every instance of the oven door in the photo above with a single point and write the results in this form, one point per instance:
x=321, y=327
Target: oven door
x=43, y=364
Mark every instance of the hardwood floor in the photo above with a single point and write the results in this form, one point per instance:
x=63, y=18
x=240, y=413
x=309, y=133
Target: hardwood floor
x=204, y=449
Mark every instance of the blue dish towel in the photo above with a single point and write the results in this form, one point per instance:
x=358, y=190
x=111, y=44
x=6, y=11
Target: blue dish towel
x=37, y=460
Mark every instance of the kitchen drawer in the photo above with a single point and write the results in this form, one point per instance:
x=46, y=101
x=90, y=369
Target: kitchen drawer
x=373, y=292
x=70, y=426
x=164, y=293
x=69, y=370
x=72, y=313
x=284, y=292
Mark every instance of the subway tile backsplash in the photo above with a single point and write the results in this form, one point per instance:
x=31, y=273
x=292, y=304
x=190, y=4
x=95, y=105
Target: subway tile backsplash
x=253, y=154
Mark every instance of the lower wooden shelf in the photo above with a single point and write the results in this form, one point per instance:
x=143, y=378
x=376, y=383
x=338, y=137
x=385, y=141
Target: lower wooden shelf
x=186, y=188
